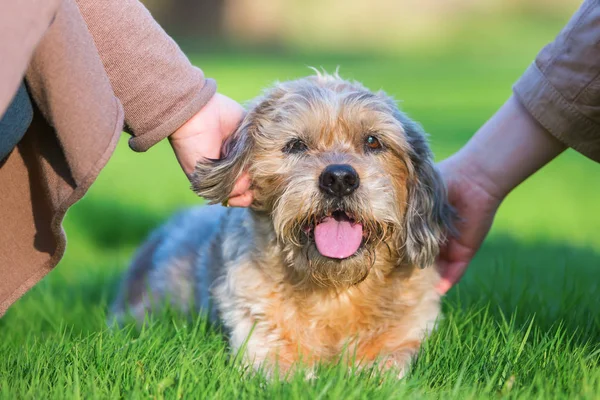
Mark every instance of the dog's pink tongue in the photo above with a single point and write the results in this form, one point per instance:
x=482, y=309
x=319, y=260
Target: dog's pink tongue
x=338, y=239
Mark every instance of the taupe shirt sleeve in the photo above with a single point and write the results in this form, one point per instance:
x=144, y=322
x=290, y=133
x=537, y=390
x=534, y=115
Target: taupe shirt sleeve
x=159, y=88
x=21, y=29
x=561, y=89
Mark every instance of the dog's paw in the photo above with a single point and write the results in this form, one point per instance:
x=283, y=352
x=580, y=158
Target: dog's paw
x=399, y=367
x=397, y=364
x=310, y=375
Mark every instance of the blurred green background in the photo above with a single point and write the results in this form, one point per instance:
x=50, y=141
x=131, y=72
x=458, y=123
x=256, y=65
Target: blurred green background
x=450, y=64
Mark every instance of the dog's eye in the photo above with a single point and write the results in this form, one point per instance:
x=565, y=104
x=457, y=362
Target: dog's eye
x=372, y=143
x=295, y=146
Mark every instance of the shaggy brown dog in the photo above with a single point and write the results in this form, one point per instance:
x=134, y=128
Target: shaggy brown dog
x=337, y=251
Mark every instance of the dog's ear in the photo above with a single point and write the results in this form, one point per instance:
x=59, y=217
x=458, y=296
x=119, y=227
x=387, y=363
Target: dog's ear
x=214, y=179
x=429, y=216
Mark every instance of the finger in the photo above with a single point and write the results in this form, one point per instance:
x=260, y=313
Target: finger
x=443, y=286
x=242, y=185
x=243, y=200
x=451, y=274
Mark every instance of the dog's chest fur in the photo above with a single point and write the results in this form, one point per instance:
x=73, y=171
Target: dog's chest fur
x=383, y=315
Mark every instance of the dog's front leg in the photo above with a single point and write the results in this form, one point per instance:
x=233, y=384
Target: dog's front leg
x=401, y=359
x=259, y=346
x=388, y=352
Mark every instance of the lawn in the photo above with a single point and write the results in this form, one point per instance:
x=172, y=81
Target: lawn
x=523, y=323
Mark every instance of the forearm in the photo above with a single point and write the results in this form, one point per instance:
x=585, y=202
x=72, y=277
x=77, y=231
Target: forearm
x=509, y=147
x=159, y=88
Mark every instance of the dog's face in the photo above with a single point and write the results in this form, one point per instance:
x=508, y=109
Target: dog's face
x=346, y=178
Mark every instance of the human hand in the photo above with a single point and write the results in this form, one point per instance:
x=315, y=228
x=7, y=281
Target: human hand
x=505, y=151
x=476, y=208
x=203, y=137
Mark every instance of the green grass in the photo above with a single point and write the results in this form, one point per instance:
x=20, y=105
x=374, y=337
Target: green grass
x=523, y=323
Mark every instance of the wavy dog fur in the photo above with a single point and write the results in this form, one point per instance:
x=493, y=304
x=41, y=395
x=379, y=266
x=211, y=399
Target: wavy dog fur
x=260, y=266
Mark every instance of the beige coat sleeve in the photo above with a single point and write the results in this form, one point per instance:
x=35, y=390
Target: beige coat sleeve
x=21, y=29
x=561, y=88
x=159, y=88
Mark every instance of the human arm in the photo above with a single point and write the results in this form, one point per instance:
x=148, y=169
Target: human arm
x=162, y=93
x=555, y=105
x=20, y=32
x=158, y=86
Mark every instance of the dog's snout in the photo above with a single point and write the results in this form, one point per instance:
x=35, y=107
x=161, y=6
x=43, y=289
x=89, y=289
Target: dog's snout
x=339, y=180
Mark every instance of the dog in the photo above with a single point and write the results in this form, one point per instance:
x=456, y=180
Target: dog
x=335, y=258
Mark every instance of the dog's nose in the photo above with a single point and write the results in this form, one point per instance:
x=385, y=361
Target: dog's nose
x=339, y=180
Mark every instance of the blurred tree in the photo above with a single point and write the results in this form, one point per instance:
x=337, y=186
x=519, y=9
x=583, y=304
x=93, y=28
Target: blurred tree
x=193, y=18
